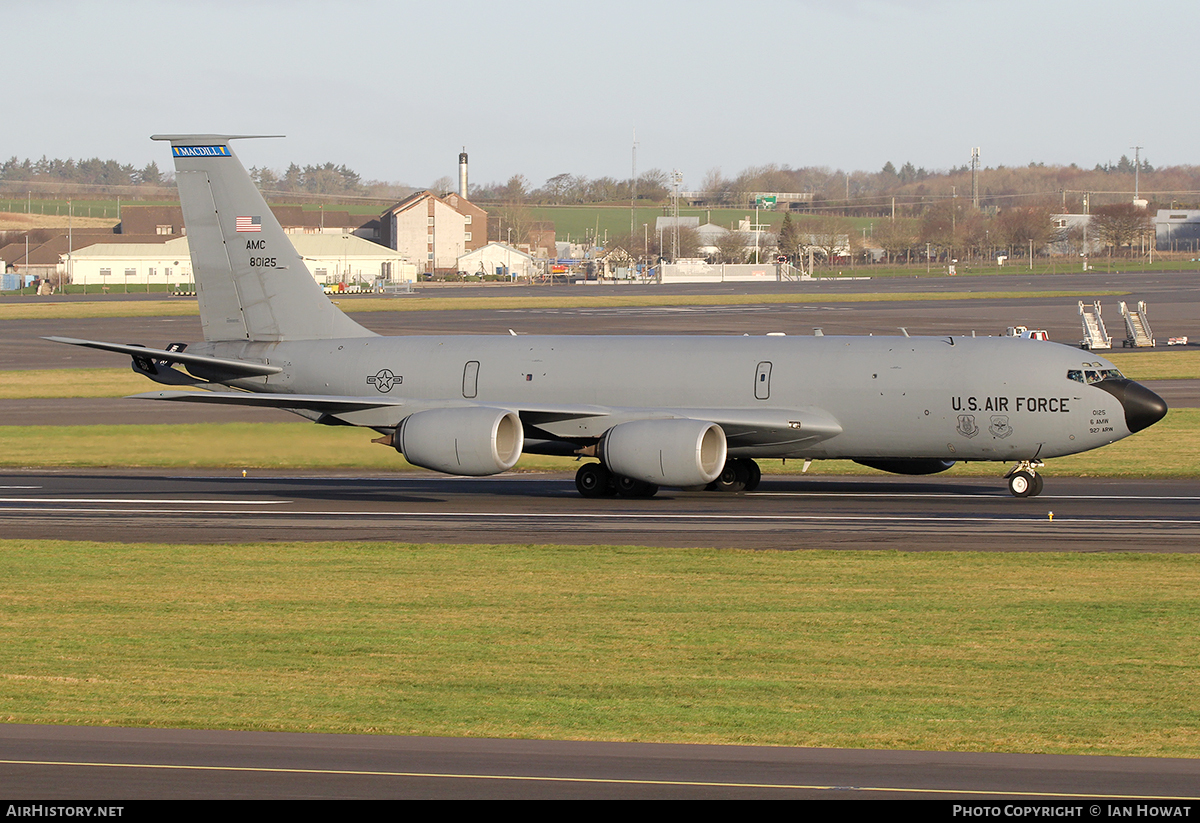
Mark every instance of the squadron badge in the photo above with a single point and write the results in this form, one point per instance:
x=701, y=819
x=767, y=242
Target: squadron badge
x=966, y=425
x=1000, y=427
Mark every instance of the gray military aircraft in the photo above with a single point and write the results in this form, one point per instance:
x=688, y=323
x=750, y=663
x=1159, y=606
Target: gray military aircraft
x=689, y=412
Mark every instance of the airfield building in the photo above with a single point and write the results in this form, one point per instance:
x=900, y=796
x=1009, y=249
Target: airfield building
x=1177, y=230
x=332, y=259
x=432, y=231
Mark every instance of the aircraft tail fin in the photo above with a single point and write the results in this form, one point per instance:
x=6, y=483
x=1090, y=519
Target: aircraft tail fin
x=250, y=282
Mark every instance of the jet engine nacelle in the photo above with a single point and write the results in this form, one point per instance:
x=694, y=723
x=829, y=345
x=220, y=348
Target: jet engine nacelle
x=668, y=452
x=472, y=440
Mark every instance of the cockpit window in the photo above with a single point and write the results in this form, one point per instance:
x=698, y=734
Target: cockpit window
x=1093, y=375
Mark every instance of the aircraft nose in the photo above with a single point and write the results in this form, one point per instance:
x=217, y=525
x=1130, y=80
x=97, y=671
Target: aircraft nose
x=1143, y=407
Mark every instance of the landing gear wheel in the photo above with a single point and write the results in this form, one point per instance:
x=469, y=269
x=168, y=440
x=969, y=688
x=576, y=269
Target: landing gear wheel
x=593, y=480
x=1023, y=484
x=629, y=488
x=754, y=475
x=733, y=477
x=1038, y=482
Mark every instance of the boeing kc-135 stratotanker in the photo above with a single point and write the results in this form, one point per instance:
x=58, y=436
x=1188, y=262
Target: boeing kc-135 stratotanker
x=656, y=410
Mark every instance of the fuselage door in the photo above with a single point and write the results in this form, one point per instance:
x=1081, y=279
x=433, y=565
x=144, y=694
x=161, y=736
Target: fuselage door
x=471, y=379
x=762, y=381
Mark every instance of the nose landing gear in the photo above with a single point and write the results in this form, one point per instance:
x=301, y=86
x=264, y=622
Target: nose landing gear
x=1023, y=479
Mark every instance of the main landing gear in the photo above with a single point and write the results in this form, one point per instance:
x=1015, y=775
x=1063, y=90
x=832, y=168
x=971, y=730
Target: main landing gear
x=1023, y=479
x=739, y=475
x=596, y=480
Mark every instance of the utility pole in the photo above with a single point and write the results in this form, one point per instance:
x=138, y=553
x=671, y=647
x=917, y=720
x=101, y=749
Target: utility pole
x=1137, y=167
x=975, y=177
x=676, y=179
x=633, y=190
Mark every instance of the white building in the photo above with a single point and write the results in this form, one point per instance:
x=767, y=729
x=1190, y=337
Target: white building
x=498, y=258
x=331, y=259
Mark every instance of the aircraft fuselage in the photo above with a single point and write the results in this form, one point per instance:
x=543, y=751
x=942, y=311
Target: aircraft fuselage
x=955, y=398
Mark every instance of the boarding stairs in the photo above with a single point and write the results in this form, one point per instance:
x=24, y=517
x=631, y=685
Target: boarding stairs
x=1137, y=327
x=1094, y=334
x=790, y=273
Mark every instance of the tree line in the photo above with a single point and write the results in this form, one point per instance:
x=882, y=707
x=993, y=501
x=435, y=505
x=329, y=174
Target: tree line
x=326, y=179
x=947, y=231
x=865, y=194
x=91, y=172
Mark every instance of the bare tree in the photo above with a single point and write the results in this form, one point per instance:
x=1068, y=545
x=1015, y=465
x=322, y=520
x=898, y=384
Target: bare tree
x=519, y=219
x=896, y=236
x=1021, y=225
x=829, y=235
x=1120, y=224
x=731, y=247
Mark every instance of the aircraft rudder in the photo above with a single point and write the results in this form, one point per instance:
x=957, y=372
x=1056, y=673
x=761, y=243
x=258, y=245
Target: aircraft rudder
x=251, y=282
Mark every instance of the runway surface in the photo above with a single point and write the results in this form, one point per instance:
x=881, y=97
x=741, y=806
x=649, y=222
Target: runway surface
x=786, y=513
x=63, y=762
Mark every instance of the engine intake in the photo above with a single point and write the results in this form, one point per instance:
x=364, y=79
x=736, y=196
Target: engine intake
x=667, y=452
x=472, y=440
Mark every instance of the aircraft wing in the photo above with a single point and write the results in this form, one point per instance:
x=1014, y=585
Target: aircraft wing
x=744, y=428
x=354, y=409
x=237, y=367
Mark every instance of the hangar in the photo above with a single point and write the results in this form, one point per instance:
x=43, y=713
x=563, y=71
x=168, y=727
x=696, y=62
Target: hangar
x=332, y=258
x=498, y=258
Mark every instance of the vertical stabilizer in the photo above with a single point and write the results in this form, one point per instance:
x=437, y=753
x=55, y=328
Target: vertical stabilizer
x=251, y=283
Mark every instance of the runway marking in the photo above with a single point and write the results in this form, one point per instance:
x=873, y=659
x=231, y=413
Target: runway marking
x=779, y=518
x=180, y=502
x=954, y=495
x=590, y=780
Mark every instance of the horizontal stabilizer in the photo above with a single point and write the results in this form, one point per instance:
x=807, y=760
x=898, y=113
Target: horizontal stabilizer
x=239, y=367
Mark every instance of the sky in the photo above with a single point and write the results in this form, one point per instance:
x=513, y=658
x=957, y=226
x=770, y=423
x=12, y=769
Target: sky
x=396, y=89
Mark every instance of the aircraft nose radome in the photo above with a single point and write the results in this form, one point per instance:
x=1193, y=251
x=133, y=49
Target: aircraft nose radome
x=1143, y=408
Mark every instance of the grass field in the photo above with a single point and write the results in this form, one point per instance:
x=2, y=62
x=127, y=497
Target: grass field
x=941, y=651
x=62, y=383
